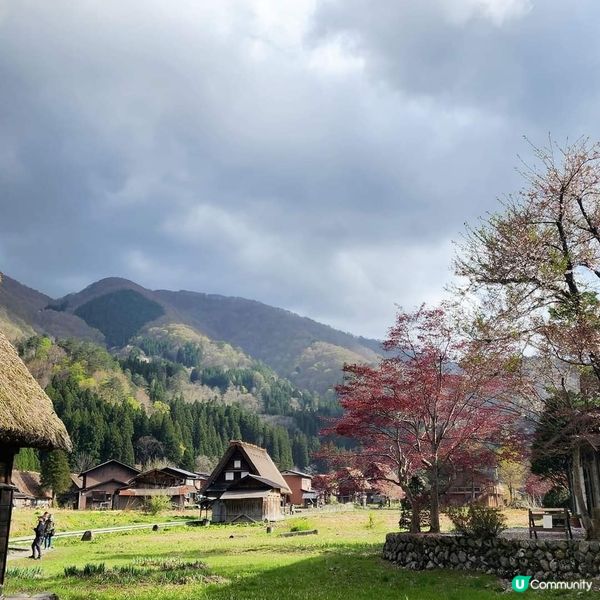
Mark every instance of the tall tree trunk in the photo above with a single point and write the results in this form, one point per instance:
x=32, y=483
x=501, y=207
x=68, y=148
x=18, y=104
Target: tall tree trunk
x=435, y=500
x=578, y=491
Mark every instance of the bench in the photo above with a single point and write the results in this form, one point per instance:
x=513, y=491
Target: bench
x=549, y=520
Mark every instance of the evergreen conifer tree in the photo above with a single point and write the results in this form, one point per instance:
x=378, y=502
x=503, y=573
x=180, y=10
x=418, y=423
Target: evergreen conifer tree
x=55, y=473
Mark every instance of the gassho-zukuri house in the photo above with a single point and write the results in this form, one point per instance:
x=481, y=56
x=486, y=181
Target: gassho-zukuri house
x=246, y=486
x=27, y=420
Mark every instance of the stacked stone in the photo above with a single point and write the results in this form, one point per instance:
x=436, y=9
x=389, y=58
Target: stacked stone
x=543, y=559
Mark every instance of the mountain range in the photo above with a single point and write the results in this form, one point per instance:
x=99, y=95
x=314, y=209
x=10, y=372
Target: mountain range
x=115, y=311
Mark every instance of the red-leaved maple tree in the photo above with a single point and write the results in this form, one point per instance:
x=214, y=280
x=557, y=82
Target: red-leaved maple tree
x=436, y=405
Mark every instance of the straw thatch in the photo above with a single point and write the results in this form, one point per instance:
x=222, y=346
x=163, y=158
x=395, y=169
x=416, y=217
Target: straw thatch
x=258, y=460
x=28, y=483
x=27, y=417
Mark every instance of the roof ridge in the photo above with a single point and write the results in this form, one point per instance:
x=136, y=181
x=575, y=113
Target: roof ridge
x=248, y=445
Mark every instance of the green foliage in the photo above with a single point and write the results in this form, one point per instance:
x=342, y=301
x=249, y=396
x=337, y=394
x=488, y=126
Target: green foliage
x=301, y=524
x=89, y=570
x=557, y=497
x=55, y=473
x=406, y=516
x=119, y=315
x=157, y=504
x=550, y=455
x=169, y=571
x=91, y=356
x=24, y=572
x=477, y=521
x=371, y=521
x=27, y=460
x=92, y=391
x=37, y=346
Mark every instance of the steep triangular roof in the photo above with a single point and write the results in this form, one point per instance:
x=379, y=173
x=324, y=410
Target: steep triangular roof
x=28, y=483
x=257, y=457
x=108, y=462
x=27, y=417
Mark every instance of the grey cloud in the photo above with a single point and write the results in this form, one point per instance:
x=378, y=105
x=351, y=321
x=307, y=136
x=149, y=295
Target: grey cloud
x=211, y=149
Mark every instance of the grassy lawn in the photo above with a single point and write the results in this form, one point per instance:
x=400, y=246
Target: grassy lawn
x=24, y=519
x=244, y=562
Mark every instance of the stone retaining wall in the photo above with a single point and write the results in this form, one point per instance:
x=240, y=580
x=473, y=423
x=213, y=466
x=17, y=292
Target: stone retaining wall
x=542, y=559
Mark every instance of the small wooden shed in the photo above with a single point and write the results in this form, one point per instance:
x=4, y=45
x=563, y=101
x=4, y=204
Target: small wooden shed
x=27, y=420
x=246, y=486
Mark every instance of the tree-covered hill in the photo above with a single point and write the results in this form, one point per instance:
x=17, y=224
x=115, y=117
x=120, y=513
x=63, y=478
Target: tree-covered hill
x=115, y=311
x=177, y=397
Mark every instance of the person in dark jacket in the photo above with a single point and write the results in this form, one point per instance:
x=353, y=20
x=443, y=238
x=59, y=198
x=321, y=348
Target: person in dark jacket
x=49, y=529
x=40, y=530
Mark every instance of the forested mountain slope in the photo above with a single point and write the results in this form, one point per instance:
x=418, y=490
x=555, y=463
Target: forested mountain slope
x=176, y=398
x=114, y=311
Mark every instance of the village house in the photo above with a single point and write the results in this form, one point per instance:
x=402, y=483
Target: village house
x=100, y=484
x=179, y=485
x=29, y=492
x=301, y=486
x=479, y=486
x=246, y=486
x=21, y=427
x=70, y=498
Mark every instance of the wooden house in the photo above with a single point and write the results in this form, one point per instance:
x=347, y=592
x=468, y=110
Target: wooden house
x=29, y=492
x=27, y=420
x=100, y=484
x=70, y=498
x=246, y=486
x=179, y=485
x=300, y=485
x=478, y=485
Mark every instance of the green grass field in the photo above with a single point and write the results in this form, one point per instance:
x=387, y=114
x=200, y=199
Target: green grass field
x=23, y=520
x=244, y=562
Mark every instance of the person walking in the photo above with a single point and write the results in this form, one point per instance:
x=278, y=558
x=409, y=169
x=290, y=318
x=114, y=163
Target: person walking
x=39, y=530
x=49, y=529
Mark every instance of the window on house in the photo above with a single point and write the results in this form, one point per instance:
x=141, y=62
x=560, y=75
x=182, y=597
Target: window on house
x=237, y=464
x=229, y=476
x=244, y=473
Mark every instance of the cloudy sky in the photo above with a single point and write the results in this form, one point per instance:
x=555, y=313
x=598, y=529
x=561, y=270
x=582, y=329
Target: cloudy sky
x=315, y=155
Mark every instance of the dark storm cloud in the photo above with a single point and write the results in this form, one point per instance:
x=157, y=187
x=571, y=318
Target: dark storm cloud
x=317, y=157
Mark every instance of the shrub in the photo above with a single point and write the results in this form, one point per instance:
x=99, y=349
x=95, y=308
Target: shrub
x=477, y=521
x=371, y=521
x=157, y=504
x=556, y=497
x=301, y=524
x=406, y=515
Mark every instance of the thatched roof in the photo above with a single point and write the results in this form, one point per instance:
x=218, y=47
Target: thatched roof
x=27, y=417
x=258, y=460
x=28, y=483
